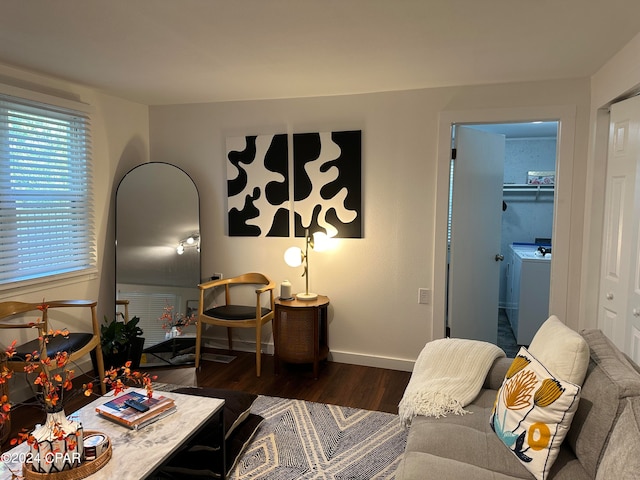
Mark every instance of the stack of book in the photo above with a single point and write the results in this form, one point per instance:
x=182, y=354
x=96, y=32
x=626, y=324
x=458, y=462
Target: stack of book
x=117, y=410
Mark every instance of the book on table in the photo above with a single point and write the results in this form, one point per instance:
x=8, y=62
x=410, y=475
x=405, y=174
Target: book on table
x=116, y=410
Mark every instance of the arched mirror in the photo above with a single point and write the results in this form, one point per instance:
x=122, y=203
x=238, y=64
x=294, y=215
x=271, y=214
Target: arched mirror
x=158, y=256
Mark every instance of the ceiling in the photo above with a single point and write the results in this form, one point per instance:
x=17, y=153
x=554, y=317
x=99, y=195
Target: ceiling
x=184, y=51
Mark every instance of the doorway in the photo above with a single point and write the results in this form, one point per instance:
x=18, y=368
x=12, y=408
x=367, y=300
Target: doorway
x=505, y=281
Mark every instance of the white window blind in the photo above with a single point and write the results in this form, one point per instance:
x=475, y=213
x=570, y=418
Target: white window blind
x=46, y=205
x=149, y=308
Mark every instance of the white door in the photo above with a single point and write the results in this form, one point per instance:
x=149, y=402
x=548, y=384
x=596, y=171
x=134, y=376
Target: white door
x=474, y=269
x=619, y=295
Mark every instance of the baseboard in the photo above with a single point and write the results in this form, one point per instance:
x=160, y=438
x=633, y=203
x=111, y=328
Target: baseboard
x=238, y=344
x=400, y=364
x=372, y=361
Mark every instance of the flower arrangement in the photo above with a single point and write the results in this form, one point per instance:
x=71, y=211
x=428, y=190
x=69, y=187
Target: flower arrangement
x=175, y=322
x=50, y=378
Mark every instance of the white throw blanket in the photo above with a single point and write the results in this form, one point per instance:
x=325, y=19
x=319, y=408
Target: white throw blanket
x=447, y=376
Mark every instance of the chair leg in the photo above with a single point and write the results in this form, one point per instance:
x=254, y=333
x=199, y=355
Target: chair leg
x=98, y=348
x=258, y=349
x=198, y=341
x=100, y=365
x=229, y=338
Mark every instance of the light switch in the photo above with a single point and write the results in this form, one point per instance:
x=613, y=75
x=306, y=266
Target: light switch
x=424, y=296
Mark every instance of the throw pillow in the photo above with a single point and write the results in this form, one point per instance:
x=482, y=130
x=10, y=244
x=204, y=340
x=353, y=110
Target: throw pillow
x=562, y=350
x=532, y=413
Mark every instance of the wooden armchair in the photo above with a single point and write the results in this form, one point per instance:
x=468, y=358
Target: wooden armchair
x=237, y=316
x=19, y=315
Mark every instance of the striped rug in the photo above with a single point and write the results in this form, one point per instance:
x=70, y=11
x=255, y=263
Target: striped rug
x=306, y=440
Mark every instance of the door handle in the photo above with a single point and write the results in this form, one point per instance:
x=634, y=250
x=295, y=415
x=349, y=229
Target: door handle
x=636, y=312
x=499, y=258
x=609, y=296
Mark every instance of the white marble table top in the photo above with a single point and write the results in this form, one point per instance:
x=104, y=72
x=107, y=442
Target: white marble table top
x=135, y=453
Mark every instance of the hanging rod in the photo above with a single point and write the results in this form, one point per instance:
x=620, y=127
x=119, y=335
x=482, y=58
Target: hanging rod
x=526, y=188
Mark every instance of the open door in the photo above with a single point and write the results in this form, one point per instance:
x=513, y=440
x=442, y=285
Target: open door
x=474, y=263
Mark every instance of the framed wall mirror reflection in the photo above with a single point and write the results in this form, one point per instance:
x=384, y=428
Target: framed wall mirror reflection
x=158, y=258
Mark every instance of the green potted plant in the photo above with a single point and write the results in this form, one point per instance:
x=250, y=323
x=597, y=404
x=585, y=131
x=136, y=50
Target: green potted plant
x=121, y=342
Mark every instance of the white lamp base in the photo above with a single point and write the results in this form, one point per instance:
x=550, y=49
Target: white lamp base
x=306, y=296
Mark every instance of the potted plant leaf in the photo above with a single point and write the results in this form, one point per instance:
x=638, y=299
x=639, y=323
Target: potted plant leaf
x=121, y=342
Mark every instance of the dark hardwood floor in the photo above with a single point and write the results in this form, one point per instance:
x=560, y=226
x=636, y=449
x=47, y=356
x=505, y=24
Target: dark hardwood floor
x=338, y=383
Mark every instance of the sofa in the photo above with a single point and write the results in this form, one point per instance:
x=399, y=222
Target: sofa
x=602, y=441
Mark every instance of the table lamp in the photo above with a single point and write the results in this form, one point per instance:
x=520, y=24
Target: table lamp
x=294, y=257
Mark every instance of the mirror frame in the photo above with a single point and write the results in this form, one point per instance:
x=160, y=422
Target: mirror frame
x=117, y=227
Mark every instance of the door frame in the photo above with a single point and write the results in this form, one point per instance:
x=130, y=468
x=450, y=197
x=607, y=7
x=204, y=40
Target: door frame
x=565, y=115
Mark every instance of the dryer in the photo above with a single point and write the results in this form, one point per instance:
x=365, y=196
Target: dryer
x=528, y=283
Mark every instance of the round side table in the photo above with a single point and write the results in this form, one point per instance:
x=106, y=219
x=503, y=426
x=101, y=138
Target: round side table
x=300, y=332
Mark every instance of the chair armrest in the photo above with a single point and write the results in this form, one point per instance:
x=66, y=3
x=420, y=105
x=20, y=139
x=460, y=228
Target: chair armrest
x=496, y=374
x=18, y=325
x=71, y=303
x=268, y=287
x=213, y=283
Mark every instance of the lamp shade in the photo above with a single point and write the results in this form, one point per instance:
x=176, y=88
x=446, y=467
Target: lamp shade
x=293, y=257
x=321, y=241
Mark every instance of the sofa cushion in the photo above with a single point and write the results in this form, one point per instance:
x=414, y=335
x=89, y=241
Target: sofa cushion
x=621, y=458
x=610, y=380
x=563, y=351
x=464, y=439
x=533, y=413
x=415, y=466
x=463, y=447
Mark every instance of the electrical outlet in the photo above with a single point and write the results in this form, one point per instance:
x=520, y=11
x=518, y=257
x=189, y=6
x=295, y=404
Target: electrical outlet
x=216, y=276
x=424, y=296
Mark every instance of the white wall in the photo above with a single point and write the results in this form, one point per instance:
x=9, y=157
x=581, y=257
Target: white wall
x=372, y=282
x=120, y=141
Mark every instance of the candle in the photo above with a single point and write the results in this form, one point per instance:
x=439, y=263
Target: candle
x=285, y=289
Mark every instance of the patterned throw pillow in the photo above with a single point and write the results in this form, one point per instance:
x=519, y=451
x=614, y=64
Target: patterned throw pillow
x=533, y=412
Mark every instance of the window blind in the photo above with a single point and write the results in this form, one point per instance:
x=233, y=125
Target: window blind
x=149, y=308
x=46, y=205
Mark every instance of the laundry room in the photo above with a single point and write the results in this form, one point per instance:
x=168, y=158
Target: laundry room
x=527, y=227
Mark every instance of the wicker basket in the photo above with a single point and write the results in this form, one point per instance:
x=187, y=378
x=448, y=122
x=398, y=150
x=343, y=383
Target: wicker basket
x=84, y=470
x=295, y=335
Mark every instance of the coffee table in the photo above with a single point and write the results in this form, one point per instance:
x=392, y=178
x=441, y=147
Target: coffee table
x=137, y=454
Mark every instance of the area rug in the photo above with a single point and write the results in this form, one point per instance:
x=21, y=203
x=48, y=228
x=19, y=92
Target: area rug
x=307, y=440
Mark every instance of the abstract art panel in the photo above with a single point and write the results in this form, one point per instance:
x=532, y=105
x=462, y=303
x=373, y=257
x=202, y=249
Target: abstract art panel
x=327, y=176
x=258, y=186
x=327, y=192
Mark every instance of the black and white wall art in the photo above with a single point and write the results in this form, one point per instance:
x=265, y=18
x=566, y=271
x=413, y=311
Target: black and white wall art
x=258, y=186
x=327, y=192
x=327, y=183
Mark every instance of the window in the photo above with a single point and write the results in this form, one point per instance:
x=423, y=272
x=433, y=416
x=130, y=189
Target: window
x=46, y=211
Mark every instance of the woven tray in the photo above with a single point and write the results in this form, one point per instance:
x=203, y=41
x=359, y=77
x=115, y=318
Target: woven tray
x=82, y=471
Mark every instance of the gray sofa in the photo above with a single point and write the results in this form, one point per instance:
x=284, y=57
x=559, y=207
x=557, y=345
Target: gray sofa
x=603, y=441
